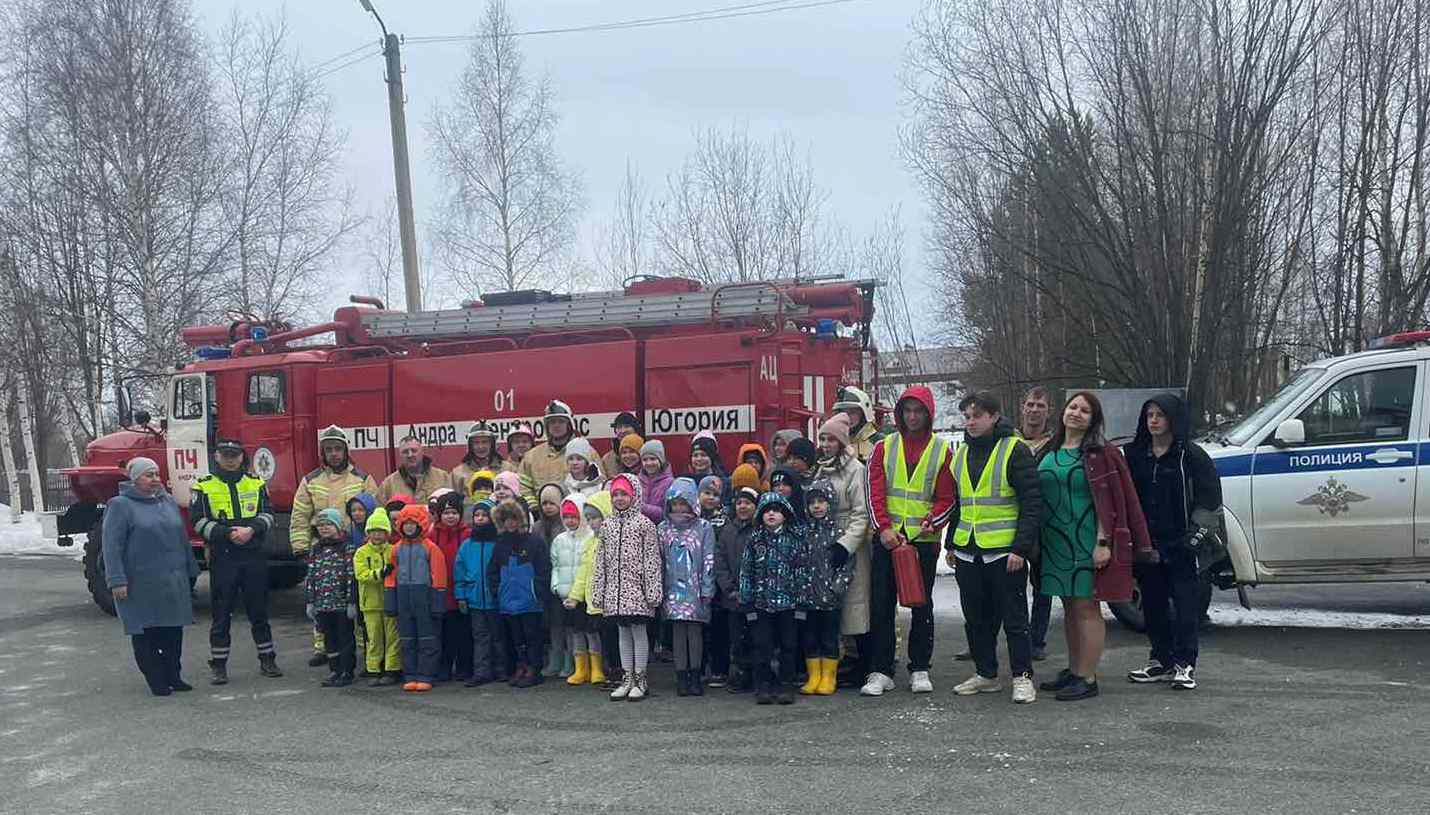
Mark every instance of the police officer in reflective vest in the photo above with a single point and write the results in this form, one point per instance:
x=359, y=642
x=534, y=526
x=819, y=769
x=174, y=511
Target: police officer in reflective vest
x=229, y=510
x=911, y=495
x=992, y=535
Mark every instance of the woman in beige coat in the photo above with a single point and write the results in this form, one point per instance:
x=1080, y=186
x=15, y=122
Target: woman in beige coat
x=843, y=469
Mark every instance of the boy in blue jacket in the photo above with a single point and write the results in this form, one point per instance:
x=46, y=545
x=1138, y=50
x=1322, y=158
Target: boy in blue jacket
x=477, y=601
x=519, y=575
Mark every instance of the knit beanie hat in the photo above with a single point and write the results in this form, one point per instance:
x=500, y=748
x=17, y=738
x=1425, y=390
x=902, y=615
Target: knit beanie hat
x=379, y=520
x=713, y=484
x=510, y=480
x=138, y=466
x=708, y=444
x=485, y=505
x=632, y=441
x=838, y=427
x=749, y=494
x=328, y=516
x=745, y=476
x=449, y=500
x=804, y=450
x=656, y=448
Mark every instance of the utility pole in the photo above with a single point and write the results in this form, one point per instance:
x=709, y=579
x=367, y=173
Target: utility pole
x=401, y=169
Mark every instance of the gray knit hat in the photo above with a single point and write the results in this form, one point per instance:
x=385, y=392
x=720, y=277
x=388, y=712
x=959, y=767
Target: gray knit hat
x=140, y=465
x=654, y=447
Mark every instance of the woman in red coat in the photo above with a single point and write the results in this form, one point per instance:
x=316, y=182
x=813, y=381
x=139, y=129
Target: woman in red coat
x=1091, y=525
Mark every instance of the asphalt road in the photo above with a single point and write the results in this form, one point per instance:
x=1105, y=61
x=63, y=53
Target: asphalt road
x=1288, y=719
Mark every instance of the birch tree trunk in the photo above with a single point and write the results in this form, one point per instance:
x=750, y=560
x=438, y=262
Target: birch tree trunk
x=27, y=435
x=12, y=476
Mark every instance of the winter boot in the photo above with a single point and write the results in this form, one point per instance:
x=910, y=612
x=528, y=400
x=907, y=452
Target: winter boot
x=639, y=688
x=317, y=660
x=555, y=658
x=815, y=669
x=682, y=683
x=764, y=685
x=568, y=666
x=268, y=666
x=582, y=674
x=388, y=679
x=741, y=681
x=624, y=689
x=334, y=680
x=827, y=677
x=598, y=673
x=220, y=671
x=697, y=683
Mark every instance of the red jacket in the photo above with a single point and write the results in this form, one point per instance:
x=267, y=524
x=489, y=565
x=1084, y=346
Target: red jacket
x=945, y=493
x=449, y=540
x=1119, y=514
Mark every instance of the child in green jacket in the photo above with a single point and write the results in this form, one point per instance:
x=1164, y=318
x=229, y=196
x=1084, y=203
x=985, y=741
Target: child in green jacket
x=369, y=568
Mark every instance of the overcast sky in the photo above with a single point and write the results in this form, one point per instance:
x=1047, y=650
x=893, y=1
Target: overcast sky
x=828, y=76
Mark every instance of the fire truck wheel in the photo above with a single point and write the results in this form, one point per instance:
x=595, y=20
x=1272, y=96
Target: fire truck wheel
x=94, y=571
x=285, y=575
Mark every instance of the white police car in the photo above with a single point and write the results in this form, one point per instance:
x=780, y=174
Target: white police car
x=1329, y=480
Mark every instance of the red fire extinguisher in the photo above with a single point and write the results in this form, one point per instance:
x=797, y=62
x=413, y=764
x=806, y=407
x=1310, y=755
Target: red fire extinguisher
x=908, y=577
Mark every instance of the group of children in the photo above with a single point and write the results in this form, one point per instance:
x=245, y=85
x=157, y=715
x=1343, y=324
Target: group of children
x=482, y=589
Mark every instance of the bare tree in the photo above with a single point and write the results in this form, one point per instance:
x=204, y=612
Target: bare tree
x=511, y=203
x=623, y=243
x=282, y=197
x=380, y=256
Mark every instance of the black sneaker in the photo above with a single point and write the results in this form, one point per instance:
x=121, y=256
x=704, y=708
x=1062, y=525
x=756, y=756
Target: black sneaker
x=180, y=686
x=1184, y=677
x=1155, y=671
x=1062, y=680
x=1077, y=689
x=334, y=680
x=317, y=660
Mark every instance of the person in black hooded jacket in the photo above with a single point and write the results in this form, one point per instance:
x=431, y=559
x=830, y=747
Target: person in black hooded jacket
x=1180, y=493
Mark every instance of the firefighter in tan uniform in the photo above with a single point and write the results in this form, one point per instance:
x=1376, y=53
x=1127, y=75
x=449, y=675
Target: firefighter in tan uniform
x=863, y=435
x=330, y=486
x=415, y=476
x=546, y=463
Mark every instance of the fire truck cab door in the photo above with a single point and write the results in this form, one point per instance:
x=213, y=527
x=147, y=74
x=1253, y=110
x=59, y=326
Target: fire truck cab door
x=189, y=432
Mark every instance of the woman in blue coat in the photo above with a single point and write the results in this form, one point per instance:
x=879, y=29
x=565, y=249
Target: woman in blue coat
x=150, y=569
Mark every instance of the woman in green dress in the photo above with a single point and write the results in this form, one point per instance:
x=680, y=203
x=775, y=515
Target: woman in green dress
x=1073, y=544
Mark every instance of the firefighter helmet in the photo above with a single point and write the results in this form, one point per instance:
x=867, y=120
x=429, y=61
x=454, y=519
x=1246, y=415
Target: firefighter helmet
x=852, y=397
x=333, y=433
x=557, y=409
x=522, y=429
x=481, y=430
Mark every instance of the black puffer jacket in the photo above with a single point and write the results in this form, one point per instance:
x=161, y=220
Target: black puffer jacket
x=1174, y=484
x=1022, y=476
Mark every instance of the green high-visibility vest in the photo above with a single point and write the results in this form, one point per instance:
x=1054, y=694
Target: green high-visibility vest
x=220, y=497
x=987, y=511
x=909, y=495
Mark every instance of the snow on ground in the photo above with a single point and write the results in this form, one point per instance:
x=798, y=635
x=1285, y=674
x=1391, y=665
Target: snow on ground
x=1313, y=618
x=24, y=538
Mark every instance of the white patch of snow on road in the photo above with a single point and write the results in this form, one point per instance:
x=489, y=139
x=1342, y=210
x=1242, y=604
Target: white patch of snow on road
x=1312, y=618
x=25, y=538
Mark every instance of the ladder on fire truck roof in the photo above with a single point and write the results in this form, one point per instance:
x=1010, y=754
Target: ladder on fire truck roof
x=584, y=311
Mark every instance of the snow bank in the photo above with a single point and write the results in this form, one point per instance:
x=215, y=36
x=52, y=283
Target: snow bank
x=24, y=538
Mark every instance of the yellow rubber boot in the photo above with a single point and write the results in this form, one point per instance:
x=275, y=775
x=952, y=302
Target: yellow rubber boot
x=582, y=674
x=828, y=678
x=598, y=674
x=816, y=675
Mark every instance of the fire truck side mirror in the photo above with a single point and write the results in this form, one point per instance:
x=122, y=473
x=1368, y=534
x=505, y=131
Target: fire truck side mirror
x=142, y=417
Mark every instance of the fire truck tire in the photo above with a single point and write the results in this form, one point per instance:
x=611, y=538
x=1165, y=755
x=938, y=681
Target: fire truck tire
x=285, y=575
x=1130, y=613
x=94, y=570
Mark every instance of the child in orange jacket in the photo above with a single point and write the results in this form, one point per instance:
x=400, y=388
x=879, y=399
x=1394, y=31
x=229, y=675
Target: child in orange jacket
x=415, y=591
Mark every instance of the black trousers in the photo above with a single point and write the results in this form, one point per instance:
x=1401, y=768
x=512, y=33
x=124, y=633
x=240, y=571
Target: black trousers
x=717, y=640
x=1040, y=619
x=821, y=634
x=456, y=646
x=488, y=644
x=159, y=653
x=884, y=598
x=229, y=580
x=339, y=638
x=994, y=599
x=1171, y=605
x=610, y=645
x=773, y=630
x=528, y=634
x=741, y=634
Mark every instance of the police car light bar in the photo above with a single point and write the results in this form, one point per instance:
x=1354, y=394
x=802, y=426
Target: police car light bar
x=1403, y=338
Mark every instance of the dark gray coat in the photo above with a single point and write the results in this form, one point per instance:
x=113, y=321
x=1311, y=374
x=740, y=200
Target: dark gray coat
x=147, y=549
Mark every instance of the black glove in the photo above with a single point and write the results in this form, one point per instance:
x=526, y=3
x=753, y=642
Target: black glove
x=386, y=570
x=838, y=555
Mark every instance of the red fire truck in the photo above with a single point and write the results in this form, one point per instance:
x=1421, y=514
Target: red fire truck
x=739, y=360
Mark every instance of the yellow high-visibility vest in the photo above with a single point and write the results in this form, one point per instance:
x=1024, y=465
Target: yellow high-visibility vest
x=909, y=495
x=220, y=497
x=987, y=511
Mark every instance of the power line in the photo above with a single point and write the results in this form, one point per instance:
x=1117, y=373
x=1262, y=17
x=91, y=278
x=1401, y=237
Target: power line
x=719, y=13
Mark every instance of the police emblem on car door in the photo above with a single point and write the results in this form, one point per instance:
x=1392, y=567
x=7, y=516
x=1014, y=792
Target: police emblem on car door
x=1332, y=498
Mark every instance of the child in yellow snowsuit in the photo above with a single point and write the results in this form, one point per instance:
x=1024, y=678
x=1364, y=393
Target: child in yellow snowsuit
x=370, y=564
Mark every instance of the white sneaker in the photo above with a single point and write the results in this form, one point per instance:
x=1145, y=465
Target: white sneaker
x=977, y=684
x=919, y=682
x=639, y=689
x=1184, y=678
x=876, y=685
x=625, y=688
x=1023, y=690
